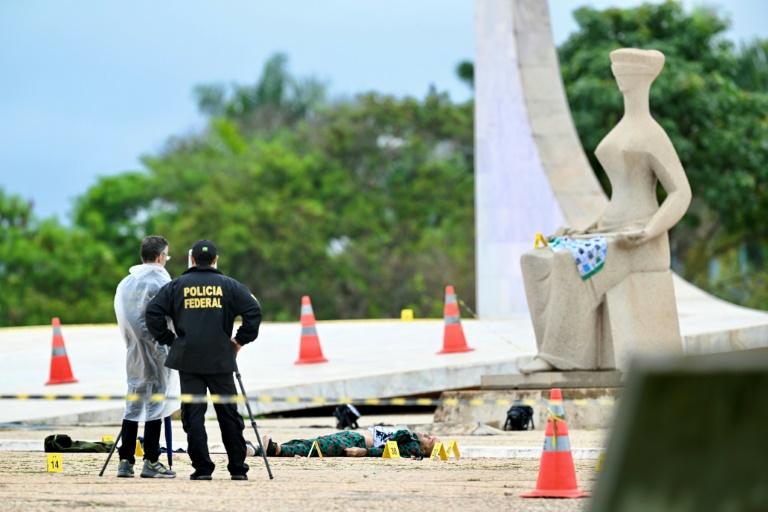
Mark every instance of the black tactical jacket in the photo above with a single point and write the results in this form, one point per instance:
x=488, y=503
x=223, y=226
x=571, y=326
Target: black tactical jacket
x=203, y=304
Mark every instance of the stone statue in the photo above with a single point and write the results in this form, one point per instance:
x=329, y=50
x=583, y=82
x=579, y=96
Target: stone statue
x=628, y=247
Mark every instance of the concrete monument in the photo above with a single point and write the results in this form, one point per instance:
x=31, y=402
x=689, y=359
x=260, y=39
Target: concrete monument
x=531, y=173
x=599, y=295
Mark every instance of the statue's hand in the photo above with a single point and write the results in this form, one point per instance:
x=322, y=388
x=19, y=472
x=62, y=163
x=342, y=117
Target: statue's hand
x=565, y=231
x=632, y=238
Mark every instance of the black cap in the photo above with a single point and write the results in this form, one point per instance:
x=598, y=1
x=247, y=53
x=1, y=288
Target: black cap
x=204, y=252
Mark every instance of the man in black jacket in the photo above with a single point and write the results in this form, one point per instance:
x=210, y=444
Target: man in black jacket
x=203, y=304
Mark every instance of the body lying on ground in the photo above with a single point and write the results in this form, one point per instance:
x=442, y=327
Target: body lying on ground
x=367, y=443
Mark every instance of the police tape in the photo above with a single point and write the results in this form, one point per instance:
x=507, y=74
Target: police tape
x=319, y=401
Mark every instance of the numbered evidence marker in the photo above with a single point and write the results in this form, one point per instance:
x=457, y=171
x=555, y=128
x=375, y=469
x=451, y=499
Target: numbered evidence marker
x=54, y=463
x=315, y=445
x=107, y=439
x=600, y=459
x=391, y=451
x=453, y=448
x=438, y=451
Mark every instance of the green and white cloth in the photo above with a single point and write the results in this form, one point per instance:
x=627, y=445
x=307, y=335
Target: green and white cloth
x=588, y=253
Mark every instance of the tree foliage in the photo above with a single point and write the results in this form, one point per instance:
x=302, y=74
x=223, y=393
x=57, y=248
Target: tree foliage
x=367, y=204
x=49, y=270
x=276, y=100
x=118, y=210
x=712, y=101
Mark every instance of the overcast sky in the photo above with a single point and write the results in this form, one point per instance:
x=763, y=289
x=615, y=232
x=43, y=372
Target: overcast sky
x=90, y=85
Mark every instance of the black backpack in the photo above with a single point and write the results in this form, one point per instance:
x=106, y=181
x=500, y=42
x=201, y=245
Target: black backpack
x=346, y=416
x=518, y=417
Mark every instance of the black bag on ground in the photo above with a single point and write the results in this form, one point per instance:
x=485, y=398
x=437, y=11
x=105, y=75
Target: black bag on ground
x=518, y=417
x=346, y=416
x=62, y=443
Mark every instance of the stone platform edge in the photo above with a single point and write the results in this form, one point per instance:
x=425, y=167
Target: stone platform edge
x=548, y=380
x=596, y=412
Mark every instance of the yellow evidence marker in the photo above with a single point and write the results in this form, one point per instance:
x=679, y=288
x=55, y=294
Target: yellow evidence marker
x=54, y=463
x=600, y=459
x=391, y=451
x=453, y=448
x=107, y=439
x=406, y=315
x=315, y=445
x=139, y=449
x=438, y=451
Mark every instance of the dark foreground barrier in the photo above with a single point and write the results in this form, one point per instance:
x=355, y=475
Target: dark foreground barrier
x=689, y=435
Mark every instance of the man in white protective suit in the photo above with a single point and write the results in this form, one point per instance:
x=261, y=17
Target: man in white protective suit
x=145, y=367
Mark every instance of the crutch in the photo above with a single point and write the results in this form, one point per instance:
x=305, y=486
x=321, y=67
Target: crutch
x=253, y=421
x=111, y=452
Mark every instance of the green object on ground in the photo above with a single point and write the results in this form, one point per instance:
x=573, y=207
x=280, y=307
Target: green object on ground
x=62, y=443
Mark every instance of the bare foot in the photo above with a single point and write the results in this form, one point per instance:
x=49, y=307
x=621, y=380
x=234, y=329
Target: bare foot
x=536, y=365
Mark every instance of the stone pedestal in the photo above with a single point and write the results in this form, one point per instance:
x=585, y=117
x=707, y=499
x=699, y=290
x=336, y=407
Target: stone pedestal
x=548, y=380
x=589, y=398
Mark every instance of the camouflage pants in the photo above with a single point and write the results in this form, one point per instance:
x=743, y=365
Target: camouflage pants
x=331, y=446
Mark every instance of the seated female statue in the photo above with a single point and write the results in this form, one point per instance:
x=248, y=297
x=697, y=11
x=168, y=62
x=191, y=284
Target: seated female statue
x=630, y=235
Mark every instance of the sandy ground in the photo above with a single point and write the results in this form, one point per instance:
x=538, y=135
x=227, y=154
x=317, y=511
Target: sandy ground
x=299, y=484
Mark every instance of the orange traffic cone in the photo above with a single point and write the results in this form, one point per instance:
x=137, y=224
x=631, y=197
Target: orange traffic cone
x=557, y=476
x=309, y=348
x=61, y=372
x=453, y=335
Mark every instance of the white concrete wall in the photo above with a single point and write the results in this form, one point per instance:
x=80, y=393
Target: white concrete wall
x=531, y=172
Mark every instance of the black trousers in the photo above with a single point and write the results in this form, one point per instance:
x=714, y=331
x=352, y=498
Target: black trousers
x=151, y=440
x=230, y=422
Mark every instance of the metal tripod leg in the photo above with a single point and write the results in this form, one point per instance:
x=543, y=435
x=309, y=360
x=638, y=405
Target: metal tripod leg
x=111, y=452
x=253, y=421
x=168, y=440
